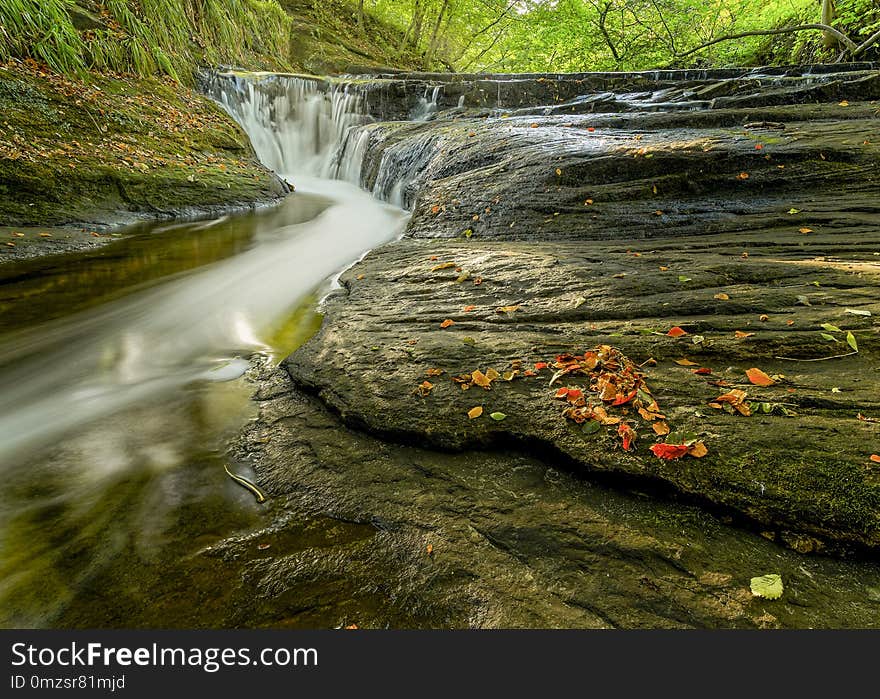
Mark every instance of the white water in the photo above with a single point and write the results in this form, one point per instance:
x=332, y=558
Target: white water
x=58, y=377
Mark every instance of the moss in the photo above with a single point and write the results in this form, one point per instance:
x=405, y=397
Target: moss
x=77, y=152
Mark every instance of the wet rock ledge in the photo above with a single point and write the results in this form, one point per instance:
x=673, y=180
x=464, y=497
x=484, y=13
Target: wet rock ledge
x=755, y=229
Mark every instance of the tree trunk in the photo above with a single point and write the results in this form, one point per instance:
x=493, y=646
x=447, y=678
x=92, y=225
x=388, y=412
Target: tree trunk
x=361, y=13
x=829, y=12
x=432, y=44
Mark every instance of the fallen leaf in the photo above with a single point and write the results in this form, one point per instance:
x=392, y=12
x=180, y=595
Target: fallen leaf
x=676, y=331
x=759, y=146
x=875, y=458
x=742, y=176
x=498, y=416
x=588, y=202
x=831, y=328
x=683, y=278
x=721, y=297
x=685, y=362
x=739, y=334
x=446, y=323
x=759, y=378
x=540, y=365
x=263, y=547
x=619, y=275
x=703, y=371
x=434, y=372
x=805, y=230
x=480, y=379
x=660, y=428
x=851, y=341
x=351, y=627
x=843, y=103
x=429, y=549
x=506, y=309
x=475, y=412
x=468, y=309
x=491, y=374
x=767, y=586
x=445, y=265
x=558, y=172
x=793, y=211
x=669, y=452
x=857, y=312
x=763, y=317
x=664, y=269
x=478, y=281
x=698, y=450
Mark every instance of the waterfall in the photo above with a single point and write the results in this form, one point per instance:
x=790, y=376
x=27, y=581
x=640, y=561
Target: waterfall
x=296, y=125
x=426, y=106
x=310, y=128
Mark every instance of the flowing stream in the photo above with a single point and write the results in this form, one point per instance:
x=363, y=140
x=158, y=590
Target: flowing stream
x=120, y=369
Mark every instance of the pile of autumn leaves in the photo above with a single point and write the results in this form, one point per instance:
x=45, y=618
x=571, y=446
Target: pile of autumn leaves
x=616, y=382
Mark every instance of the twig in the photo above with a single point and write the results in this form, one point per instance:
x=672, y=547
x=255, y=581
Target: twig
x=818, y=359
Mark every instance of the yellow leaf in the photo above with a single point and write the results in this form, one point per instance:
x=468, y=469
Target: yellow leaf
x=475, y=412
x=445, y=265
x=491, y=374
x=685, y=362
x=480, y=379
x=721, y=297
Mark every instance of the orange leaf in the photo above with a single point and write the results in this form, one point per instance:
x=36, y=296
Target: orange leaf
x=429, y=549
x=685, y=362
x=661, y=428
x=721, y=297
x=698, y=450
x=676, y=332
x=480, y=379
x=435, y=209
x=759, y=146
x=742, y=176
x=561, y=393
x=540, y=365
x=434, y=372
x=805, y=230
x=669, y=451
x=475, y=412
x=468, y=309
x=664, y=269
x=703, y=371
x=759, y=378
x=739, y=334
x=875, y=458
x=446, y=323
x=627, y=434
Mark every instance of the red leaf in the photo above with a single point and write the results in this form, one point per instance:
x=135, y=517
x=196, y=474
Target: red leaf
x=676, y=332
x=669, y=451
x=540, y=365
x=561, y=393
x=703, y=371
x=621, y=399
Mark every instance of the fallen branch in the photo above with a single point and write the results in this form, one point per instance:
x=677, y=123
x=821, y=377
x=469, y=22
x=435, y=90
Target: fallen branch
x=818, y=359
x=873, y=39
x=849, y=43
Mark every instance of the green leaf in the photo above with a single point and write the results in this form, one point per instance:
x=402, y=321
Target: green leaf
x=498, y=416
x=468, y=233
x=767, y=586
x=830, y=338
x=767, y=408
x=687, y=438
x=683, y=278
x=463, y=277
x=794, y=211
x=851, y=341
x=591, y=427
x=468, y=340
x=831, y=328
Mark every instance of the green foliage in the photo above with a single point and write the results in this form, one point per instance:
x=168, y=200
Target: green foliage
x=145, y=37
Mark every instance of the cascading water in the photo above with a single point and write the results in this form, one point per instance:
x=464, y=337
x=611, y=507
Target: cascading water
x=307, y=128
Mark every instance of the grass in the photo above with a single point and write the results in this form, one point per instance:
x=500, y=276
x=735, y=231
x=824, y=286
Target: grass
x=146, y=37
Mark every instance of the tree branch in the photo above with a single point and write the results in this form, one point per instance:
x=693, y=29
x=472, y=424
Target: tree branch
x=866, y=44
x=849, y=43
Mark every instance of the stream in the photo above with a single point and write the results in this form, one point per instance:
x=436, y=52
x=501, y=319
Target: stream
x=126, y=371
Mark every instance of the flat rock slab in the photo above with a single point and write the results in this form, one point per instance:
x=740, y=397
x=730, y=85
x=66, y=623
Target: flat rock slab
x=807, y=477
x=369, y=532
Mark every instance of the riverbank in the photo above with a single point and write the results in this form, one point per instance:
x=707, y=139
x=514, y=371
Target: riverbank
x=79, y=159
